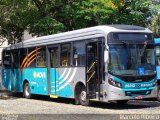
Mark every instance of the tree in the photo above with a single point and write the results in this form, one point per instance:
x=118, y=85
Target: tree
x=155, y=19
x=133, y=12
x=11, y=21
x=45, y=17
x=155, y=25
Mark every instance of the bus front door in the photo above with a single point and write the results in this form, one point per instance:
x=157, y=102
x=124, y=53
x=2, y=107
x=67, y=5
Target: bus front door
x=94, y=69
x=53, y=70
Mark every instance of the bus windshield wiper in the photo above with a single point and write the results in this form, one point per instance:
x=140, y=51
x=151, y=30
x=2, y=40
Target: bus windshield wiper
x=124, y=42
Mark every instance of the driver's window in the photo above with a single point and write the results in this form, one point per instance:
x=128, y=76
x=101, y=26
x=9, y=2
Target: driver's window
x=158, y=55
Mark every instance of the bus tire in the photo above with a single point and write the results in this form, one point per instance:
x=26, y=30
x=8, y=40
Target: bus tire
x=83, y=97
x=26, y=91
x=158, y=94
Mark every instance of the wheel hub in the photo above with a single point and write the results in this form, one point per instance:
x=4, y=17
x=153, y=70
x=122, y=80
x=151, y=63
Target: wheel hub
x=83, y=96
x=27, y=91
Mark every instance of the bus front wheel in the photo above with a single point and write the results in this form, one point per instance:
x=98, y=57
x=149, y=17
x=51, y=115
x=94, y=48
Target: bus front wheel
x=26, y=91
x=158, y=94
x=83, y=97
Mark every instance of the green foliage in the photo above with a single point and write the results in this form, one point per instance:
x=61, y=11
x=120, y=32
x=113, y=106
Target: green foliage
x=134, y=12
x=155, y=25
x=12, y=23
x=44, y=17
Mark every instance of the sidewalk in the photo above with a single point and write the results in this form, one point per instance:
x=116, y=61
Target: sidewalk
x=3, y=93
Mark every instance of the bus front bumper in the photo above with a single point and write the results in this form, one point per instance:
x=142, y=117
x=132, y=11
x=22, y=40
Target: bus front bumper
x=115, y=93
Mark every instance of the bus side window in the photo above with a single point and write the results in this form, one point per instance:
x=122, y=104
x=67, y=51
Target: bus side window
x=16, y=61
x=41, y=58
x=158, y=55
x=78, y=53
x=32, y=54
x=23, y=57
x=158, y=61
x=6, y=59
x=65, y=54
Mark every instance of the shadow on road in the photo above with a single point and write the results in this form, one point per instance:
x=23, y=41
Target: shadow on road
x=9, y=95
x=132, y=104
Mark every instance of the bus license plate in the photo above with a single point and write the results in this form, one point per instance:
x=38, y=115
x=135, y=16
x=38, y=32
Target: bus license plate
x=138, y=97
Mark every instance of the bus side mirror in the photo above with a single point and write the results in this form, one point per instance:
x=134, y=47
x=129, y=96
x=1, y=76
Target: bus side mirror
x=106, y=56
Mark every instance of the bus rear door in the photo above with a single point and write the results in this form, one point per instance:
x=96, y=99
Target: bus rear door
x=53, y=70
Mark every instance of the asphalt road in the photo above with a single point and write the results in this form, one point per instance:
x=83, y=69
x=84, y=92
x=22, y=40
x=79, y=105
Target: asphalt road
x=61, y=108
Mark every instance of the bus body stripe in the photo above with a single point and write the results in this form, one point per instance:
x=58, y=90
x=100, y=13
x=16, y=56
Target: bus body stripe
x=32, y=61
x=70, y=79
x=63, y=74
x=23, y=64
x=65, y=78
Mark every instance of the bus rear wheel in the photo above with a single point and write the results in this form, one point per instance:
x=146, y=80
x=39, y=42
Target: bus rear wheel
x=83, y=97
x=26, y=91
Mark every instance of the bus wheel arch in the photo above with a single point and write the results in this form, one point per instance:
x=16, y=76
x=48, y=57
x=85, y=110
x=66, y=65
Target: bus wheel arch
x=80, y=90
x=26, y=89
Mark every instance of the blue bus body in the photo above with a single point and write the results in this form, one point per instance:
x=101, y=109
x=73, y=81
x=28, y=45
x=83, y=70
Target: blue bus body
x=37, y=78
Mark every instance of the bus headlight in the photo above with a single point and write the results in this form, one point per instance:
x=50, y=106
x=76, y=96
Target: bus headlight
x=155, y=83
x=114, y=83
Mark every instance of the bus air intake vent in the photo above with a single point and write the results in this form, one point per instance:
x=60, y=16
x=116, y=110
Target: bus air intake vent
x=137, y=78
x=133, y=93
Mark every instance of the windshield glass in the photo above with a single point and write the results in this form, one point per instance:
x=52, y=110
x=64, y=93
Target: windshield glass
x=131, y=59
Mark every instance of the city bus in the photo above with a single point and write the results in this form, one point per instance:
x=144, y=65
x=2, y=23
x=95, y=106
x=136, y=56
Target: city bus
x=108, y=63
x=157, y=48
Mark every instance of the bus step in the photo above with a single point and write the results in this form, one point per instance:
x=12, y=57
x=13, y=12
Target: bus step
x=91, y=96
x=53, y=96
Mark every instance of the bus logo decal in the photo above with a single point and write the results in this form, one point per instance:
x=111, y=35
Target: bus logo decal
x=34, y=74
x=39, y=75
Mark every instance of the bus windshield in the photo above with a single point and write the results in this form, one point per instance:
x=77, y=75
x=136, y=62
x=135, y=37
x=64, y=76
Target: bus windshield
x=131, y=59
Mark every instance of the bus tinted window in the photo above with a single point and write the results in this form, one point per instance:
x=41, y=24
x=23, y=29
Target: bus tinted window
x=23, y=57
x=78, y=53
x=158, y=55
x=54, y=57
x=7, y=59
x=41, y=58
x=65, y=54
x=16, y=55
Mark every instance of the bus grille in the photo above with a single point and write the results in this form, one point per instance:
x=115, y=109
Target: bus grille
x=132, y=93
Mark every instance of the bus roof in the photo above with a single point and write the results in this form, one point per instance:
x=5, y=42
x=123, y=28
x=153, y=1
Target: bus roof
x=86, y=33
